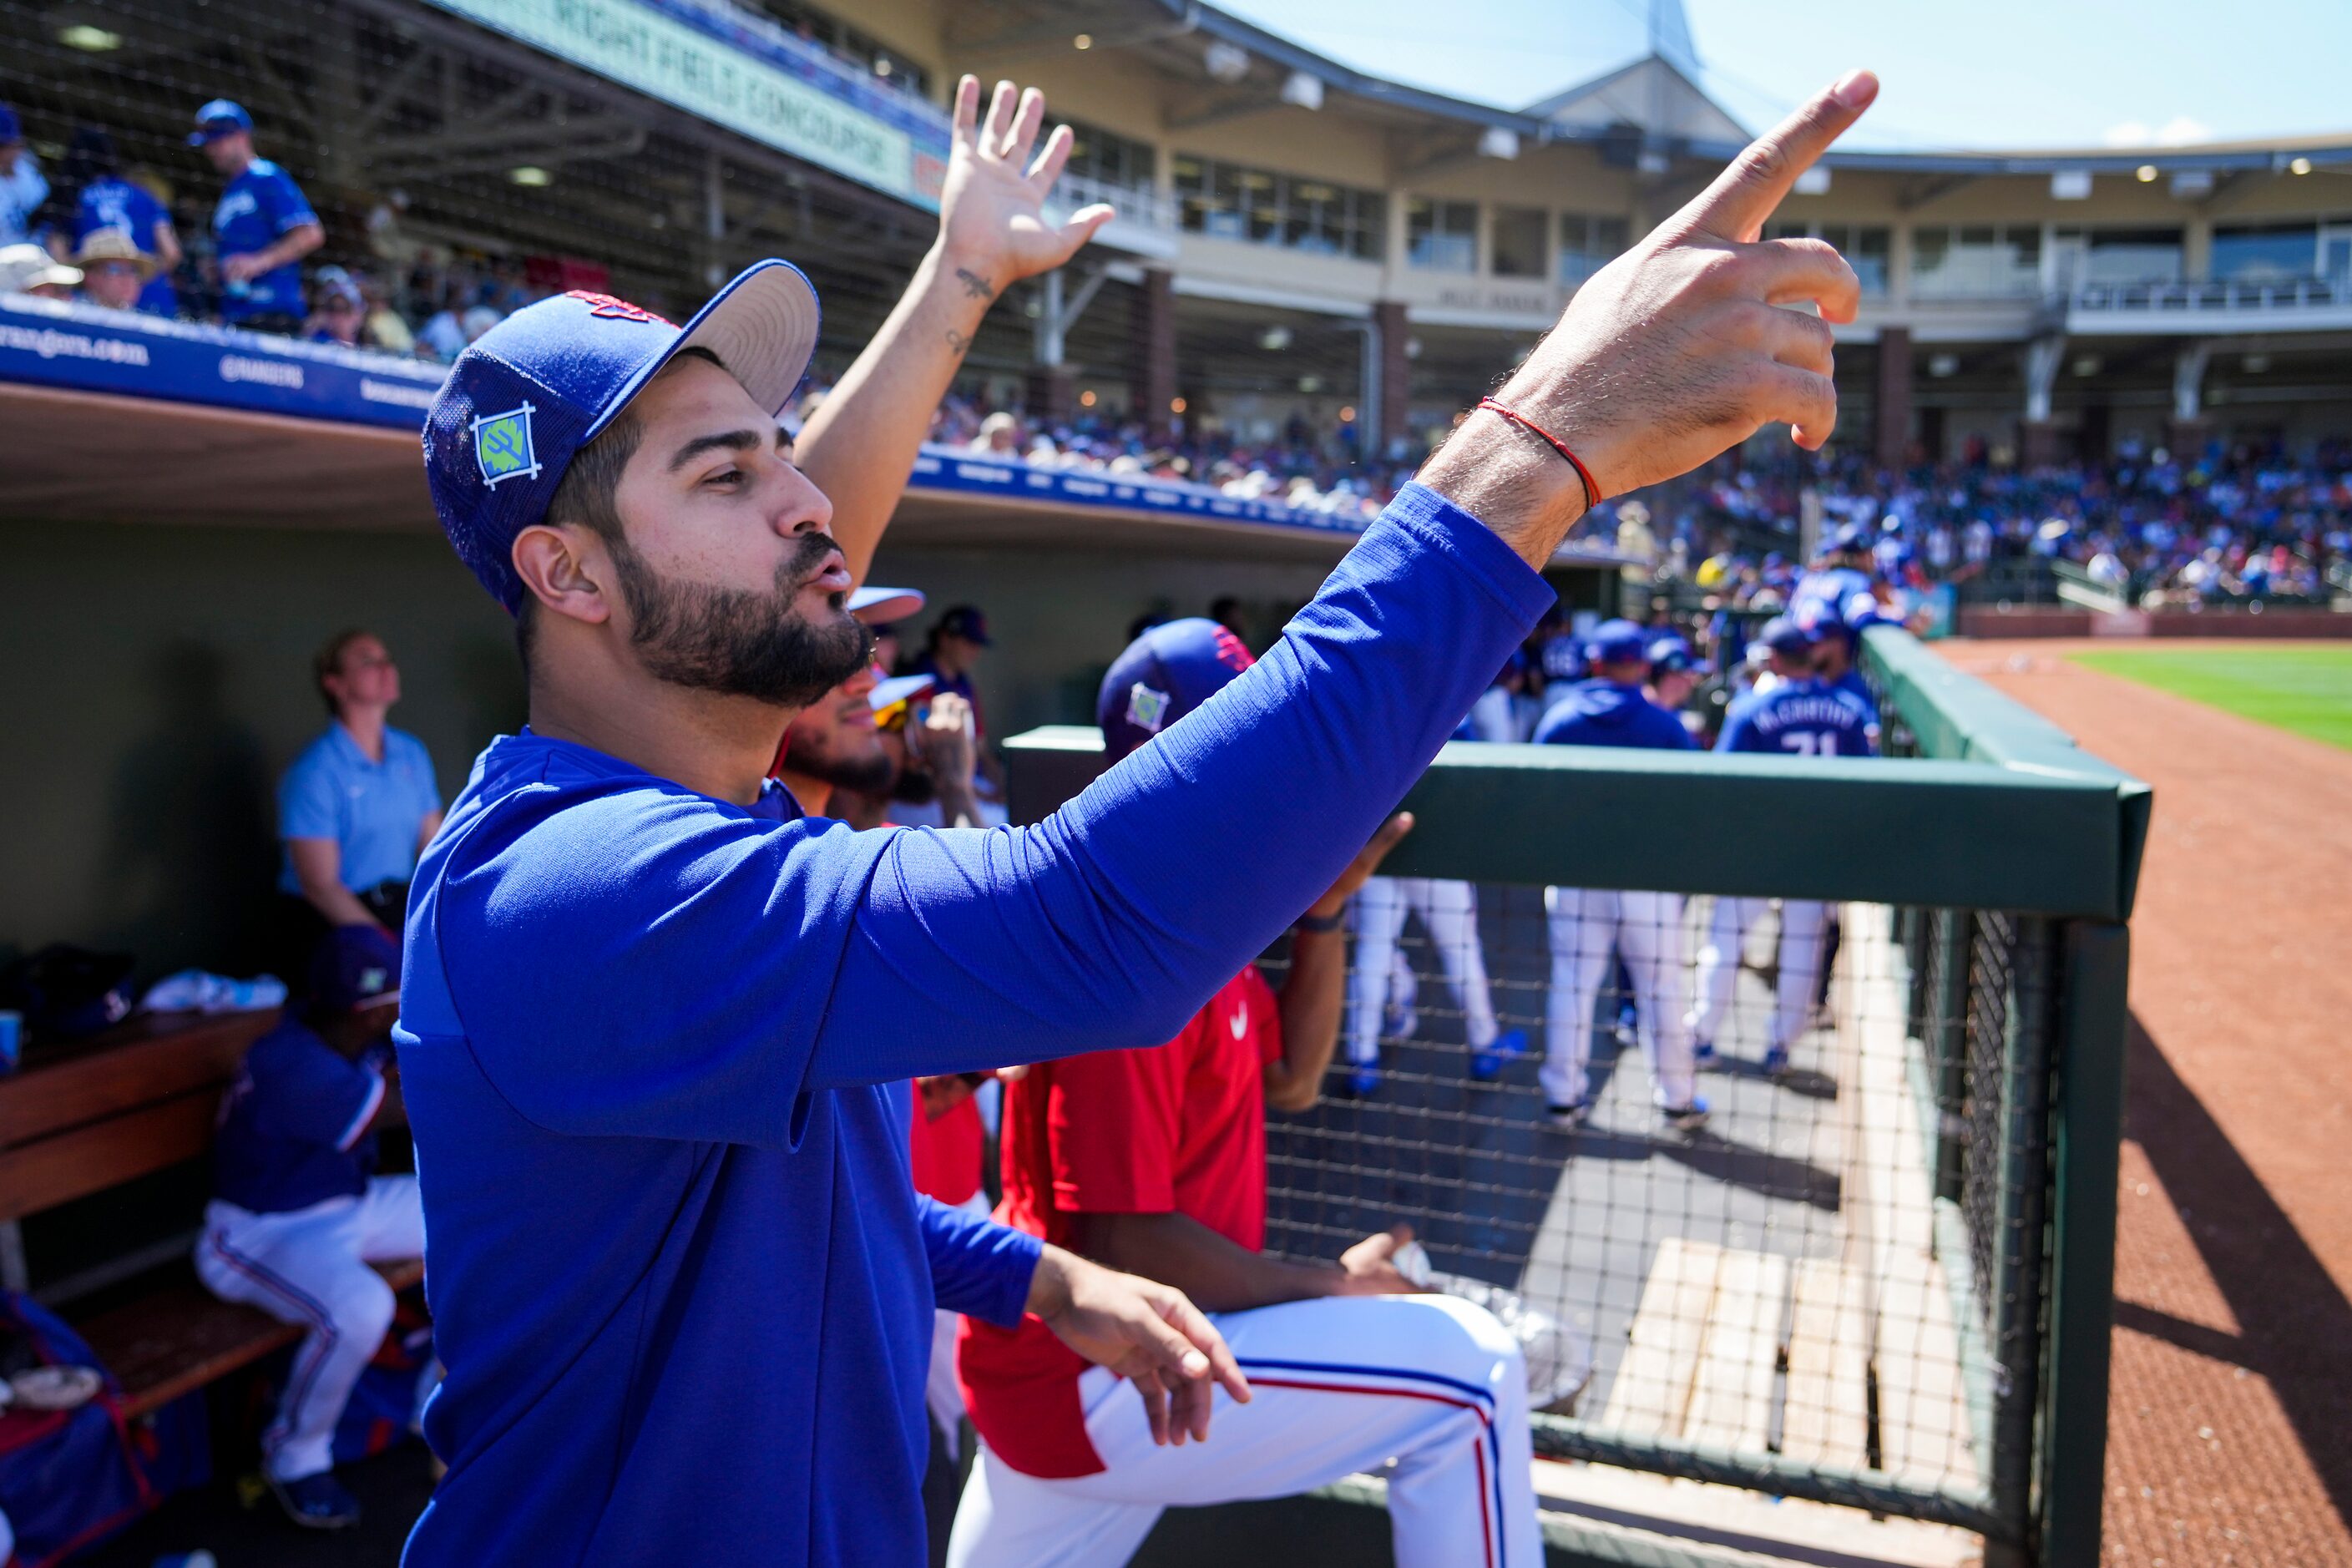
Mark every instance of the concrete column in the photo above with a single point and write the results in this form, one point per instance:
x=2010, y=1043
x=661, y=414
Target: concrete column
x=1389, y=330
x=1893, y=417
x=1152, y=350
x=1050, y=393
x=2037, y=433
x=2188, y=430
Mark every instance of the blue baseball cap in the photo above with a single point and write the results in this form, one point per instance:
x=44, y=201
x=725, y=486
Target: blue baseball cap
x=964, y=621
x=218, y=118
x=1783, y=634
x=1670, y=653
x=11, y=127
x=1614, y=642
x=1163, y=675
x=354, y=967
x=1849, y=536
x=881, y=607
x=524, y=398
x=889, y=694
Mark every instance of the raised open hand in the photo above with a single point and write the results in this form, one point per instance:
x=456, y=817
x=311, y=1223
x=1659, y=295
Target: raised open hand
x=1682, y=347
x=992, y=217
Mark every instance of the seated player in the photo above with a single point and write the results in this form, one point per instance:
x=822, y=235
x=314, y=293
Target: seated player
x=1588, y=925
x=1799, y=715
x=1156, y=1158
x=298, y=1212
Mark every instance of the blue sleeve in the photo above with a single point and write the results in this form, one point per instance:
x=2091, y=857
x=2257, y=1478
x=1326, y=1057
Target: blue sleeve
x=632, y=960
x=306, y=807
x=1738, y=730
x=315, y=1097
x=288, y=207
x=979, y=1267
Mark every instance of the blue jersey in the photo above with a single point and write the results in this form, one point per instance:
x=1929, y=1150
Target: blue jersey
x=374, y=812
x=652, y=1044
x=1602, y=713
x=1806, y=718
x=293, y=1126
x=259, y=208
x=116, y=203
x=1839, y=596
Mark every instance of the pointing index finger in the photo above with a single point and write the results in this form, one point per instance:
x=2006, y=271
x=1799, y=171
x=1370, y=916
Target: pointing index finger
x=1740, y=198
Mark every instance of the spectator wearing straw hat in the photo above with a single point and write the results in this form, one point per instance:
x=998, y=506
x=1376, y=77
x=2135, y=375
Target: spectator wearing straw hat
x=105, y=200
x=114, y=271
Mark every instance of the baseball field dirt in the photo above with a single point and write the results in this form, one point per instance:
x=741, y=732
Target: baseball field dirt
x=2231, y=1419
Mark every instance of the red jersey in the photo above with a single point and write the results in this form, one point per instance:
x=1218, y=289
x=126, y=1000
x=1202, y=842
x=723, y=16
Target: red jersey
x=1179, y=1128
x=946, y=1151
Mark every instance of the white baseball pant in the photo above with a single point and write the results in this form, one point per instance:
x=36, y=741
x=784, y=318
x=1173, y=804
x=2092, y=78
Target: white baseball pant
x=1449, y=913
x=310, y=1266
x=1587, y=925
x=940, y=1392
x=1341, y=1385
x=1803, y=921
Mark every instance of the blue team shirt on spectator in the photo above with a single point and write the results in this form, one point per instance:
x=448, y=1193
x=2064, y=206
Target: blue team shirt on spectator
x=293, y=1129
x=652, y=1045
x=259, y=206
x=115, y=204
x=1600, y=712
x=1807, y=717
x=373, y=811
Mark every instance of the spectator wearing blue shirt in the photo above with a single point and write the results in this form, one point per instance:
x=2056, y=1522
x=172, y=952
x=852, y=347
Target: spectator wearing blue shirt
x=298, y=1212
x=22, y=186
x=358, y=807
x=105, y=200
x=1590, y=925
x=1801, y=715
x=262, y=227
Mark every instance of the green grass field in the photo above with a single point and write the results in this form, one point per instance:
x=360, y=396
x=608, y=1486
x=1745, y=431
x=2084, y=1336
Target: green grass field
x=2307, y=690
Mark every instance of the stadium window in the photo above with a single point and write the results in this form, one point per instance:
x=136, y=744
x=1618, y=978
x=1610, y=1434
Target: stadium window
x=1440, y=236
x=2266, y=253
x=1316, y=216
x=1108, y=158
x=2115, y=256
x=1519, y=241
x=1978, y=262
x=1865, y=246
x=1588, y=244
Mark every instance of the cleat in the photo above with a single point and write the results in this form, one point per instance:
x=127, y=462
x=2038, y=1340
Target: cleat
x=1688, y=1118
x=1776, y=1061
x=1486, y=1065
x=317, y=1502
x=1703, y=1056
x=1399, y=1019
x=1569, y=1117
x=1363, y=1083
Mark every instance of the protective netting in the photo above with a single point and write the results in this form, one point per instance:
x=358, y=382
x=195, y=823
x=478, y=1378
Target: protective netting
x=1834, y=1277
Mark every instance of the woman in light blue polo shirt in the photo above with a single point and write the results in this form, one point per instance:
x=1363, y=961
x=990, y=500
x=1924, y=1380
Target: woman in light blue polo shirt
x=358, y=805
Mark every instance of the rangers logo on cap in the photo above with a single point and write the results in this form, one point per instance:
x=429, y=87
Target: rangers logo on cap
x=503, y=446
x=1147, y=709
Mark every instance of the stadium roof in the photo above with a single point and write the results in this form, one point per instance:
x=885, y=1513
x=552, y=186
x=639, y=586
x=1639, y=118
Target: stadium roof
x=1695, y=126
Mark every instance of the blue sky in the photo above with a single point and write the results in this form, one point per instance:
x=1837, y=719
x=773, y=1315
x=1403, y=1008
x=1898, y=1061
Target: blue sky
x=2010, y=73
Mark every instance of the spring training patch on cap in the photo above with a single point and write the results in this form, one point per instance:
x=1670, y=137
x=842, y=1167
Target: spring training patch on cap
x=503, y=446
x=1146, y=709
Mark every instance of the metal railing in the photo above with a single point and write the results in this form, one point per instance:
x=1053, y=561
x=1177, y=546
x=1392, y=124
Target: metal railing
x=2199, y=298
x=1880, y=1275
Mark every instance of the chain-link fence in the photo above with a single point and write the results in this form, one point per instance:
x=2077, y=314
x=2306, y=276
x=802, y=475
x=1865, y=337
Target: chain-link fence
x=1874, y=1270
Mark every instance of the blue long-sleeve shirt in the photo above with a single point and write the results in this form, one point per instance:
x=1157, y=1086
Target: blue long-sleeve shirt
x=651, y=1042
x=1599, y=712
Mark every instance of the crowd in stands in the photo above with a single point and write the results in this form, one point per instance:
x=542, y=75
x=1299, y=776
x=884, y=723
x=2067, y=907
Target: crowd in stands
x=2233, y=523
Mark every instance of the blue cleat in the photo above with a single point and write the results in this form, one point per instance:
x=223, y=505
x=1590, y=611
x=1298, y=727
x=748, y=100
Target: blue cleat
x=318, y=1502
x=1703, y=1056
x=1776, y=1061
x=1488, y=1065
x=1569, y=1117
x=1364, y=1081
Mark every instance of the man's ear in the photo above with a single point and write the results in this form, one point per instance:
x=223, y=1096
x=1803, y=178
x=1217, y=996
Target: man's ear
x=565, y=568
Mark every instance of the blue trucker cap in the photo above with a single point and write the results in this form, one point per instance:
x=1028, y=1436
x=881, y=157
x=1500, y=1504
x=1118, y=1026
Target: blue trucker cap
x=1615, y=641
x=354, y=967
x=1163, y=675
x=524, y=398
x=217, y=119
x=1783, y=634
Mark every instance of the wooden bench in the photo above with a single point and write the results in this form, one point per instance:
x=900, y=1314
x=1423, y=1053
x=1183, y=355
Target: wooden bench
x=138, y=1099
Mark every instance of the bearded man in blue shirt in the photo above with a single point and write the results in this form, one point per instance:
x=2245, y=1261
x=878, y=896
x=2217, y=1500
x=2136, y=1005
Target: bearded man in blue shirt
x=655, y=1025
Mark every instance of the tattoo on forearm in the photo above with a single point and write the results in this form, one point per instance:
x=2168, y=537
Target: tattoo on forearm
x=959, y=342
x=976, y=286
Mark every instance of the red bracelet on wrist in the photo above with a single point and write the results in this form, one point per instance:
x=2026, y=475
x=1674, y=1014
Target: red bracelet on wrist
x=1583, y=474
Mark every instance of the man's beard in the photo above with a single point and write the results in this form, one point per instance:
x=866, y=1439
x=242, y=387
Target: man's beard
x=868, y=774
x=738, y=642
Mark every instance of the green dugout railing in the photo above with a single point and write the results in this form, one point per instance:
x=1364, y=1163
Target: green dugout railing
x=2010, y=858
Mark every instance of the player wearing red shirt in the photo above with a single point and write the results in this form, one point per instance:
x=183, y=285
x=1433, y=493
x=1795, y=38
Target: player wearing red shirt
x=1155, y=1161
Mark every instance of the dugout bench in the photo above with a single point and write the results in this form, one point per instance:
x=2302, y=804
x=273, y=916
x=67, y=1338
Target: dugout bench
x=93, y=1114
